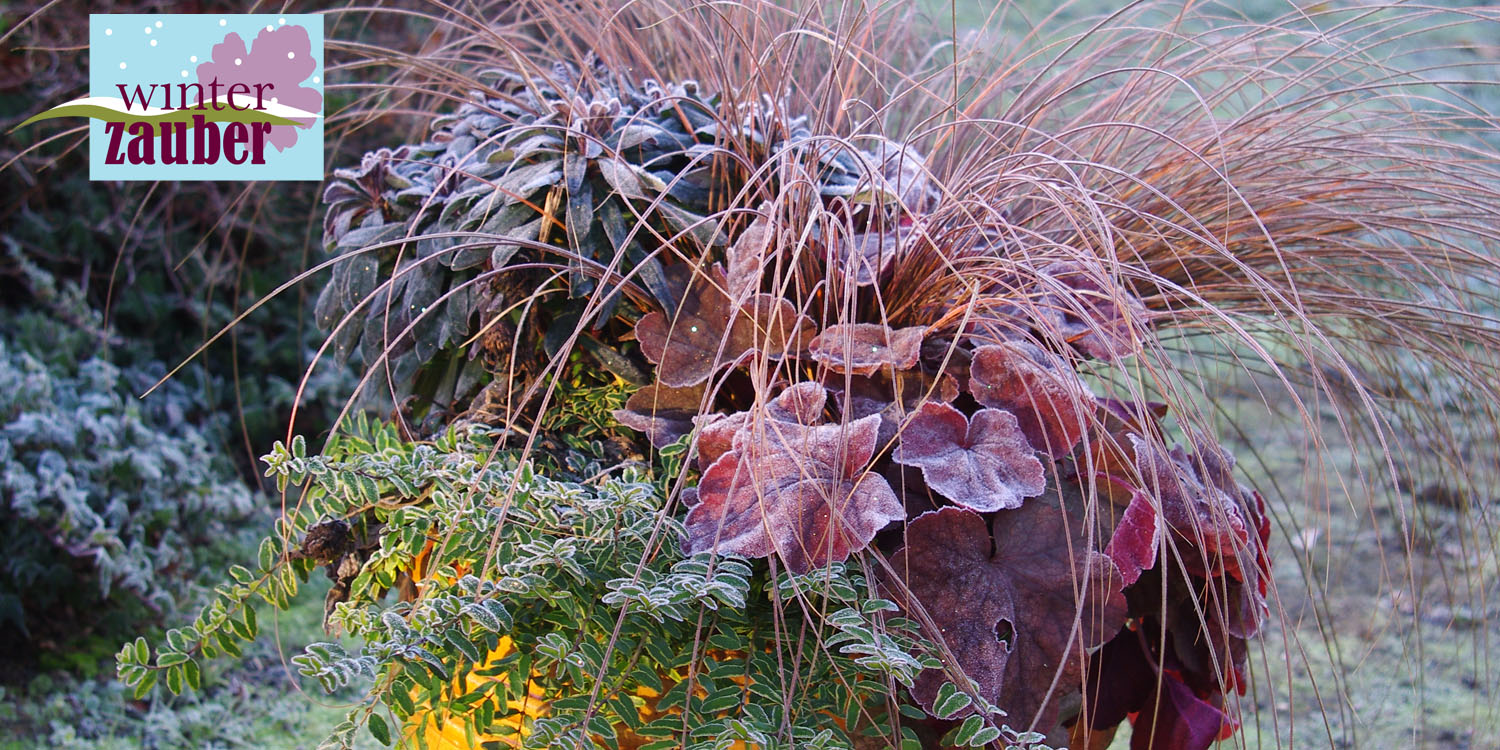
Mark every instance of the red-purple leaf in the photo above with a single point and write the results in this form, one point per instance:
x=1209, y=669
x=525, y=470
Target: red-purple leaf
x=1121, y=680
x=716, y=435
x=662, y=412
x=1179, y=720
x=774, y=327
x=1169, y=714
x=1133, y=547
x=1049, y=400
x=866, y=348
x=709, y=332
x=747, y=257
x=797, y=491
x=689, y=344
x=983, y=463
x=1111, y=456
x=1042, y=588
x=1086, y=308
x=1200, y=502
x=894, y=396
x=946, y=566
x=1060, y=583
x=1208, y=629
x=801, y=403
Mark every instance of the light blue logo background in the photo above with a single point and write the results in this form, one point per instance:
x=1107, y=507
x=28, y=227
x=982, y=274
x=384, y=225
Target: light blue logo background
x=168, y=48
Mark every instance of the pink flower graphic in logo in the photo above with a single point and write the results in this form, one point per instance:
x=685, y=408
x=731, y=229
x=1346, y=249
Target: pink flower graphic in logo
x=281, y=57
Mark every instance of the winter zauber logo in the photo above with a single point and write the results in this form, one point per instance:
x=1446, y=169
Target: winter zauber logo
x=203, y=97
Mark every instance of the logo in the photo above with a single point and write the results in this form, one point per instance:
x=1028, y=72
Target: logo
x=203, y=97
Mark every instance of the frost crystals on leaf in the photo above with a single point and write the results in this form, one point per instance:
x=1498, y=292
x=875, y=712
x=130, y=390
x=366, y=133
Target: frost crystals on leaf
x=798, y=491
x=708, y=332
x=1049, y=400
x=1200, y=502
x=866, y=348
x=799, y=404
x=983, y=463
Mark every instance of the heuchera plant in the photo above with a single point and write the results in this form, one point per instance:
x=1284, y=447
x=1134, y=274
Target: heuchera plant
x=1041, y=522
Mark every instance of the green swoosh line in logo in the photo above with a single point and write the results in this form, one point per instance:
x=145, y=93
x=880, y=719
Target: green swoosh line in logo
x=182, y=115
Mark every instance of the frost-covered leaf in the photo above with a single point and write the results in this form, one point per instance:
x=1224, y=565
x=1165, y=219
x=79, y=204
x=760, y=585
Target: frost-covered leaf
x=1111, y=453
x=662, y=412
x=983, y=463
x=716, y=435
x=1133, y=547
x=746, y=258
x=946, y=565
x=775, y=327
x=1200, y=502
x=1049, y=400
x=629, y=180
x=708, y=332
x=797, y=491
x=801, y=403
x=1025, y=602
x=866, y=348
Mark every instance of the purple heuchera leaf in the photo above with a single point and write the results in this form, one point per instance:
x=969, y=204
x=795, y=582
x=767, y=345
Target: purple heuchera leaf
x=894, y=396
x=866, y=348
x=1179, y=720
x=1121, y=679
x=798, y=404
x=716, y=435
x=1133, y=547
x=662, y=412
x=1208, y=630
x=709, y=332
x=1024, y=590
x=1049, y=400
x=983, y=463
x=1086, y=308
x=746, y=258
x=1170, y=715
x=1049, y=559
x=281, y=57
x=1200, y=502
x=798, y=491
x=946, y=566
